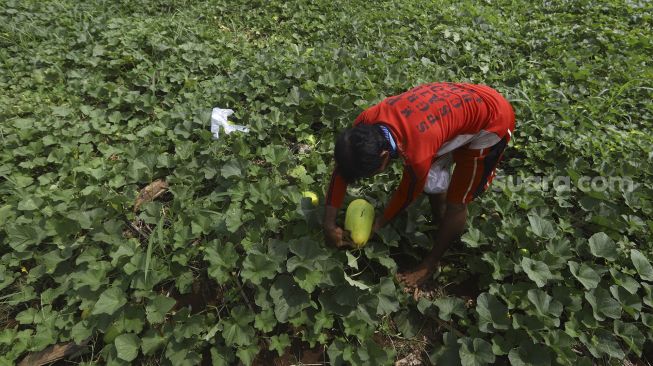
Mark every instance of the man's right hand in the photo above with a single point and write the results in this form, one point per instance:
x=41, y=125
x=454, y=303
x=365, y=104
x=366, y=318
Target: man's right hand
x=337, y=237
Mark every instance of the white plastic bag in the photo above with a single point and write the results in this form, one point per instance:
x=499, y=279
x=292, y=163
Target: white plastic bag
x=439, y=175
x=219, y=118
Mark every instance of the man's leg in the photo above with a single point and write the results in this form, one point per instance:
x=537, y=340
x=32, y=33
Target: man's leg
x=438, y=202
x=451, y=227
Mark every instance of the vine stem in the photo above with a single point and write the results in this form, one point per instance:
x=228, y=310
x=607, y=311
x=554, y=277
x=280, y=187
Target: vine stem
x=242, y=293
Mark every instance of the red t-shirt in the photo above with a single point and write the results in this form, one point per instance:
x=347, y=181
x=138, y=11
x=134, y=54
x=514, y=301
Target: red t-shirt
x=421, y=120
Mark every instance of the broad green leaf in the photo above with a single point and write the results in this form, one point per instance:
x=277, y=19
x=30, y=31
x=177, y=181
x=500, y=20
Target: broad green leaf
x=20, y=237
x=475, y=352
x=601, y=245
x=541, y=227
x=257, y=267
x=448, y=353
x=236, y=330
x=265, y=320
x=233, y=218
x=222, y=356
x=387, y=295
x=222, y=260
x=588, y=277
x=528, y=354
x=536, y=271
x=492, y=313
x=110, y=301
x=500, y=262
x=279, y=343
x=631, y=304
x=231, y=169
x=408, y=322
x=448, y=306
x=158, y=307
x=546, y=306
x=603, y=304
x=356, y=283
x=247, y=354
x=622, y=279
x=308, y=280
x=127, y=346
x=642, y=265
x=631, y=335
x=604, y=343
x=288, y=298
x=473, y=238
x=151, y=342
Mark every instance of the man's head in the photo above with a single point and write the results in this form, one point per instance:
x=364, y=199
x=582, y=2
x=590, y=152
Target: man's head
x=361, y=152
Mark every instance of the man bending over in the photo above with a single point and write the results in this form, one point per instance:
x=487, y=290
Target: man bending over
x=429, y=128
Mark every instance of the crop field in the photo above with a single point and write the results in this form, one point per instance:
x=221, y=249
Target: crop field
x=130, y=235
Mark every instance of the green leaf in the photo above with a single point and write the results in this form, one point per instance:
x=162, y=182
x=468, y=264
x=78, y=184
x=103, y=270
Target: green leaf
x=642, y=265
x=222, y=260
x=629, y=302
x=528, y=354
x=588, y=277
x=279, y=343
x=475, y=352
x=127, y=346
x=492, y=313
x=631, y=335
x=603, y=304
x=601, y=245
x=604, y=343
x=231, y=169
x=265, y=320
x=110, y=301
x=541, y=227
x=288, y=298
x=500, y=262
x=473, y=238
x=20, y=237
x=448, y=306
x=308, y=280
x=408, y=322
x=233, y=218
x=622, y=279
x=448, y=353
x=222, y=356
x=387, y=295
x=536, y=271
x=151, y=342
x=257, y=267
x=546, y=306
x=158, y=307
x=236, y=330
x=247, y=354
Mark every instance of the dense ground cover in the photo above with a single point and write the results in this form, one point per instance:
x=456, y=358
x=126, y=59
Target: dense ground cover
x=102, y=98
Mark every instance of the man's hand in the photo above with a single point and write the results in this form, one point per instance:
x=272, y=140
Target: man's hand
x=337, y=237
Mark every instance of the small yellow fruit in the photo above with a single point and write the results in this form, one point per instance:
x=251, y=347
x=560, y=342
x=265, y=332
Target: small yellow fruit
x=524, y=251
x=312, y=196
x=86, y=313
x=359, y=220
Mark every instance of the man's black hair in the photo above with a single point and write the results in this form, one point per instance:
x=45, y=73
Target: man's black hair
x=358, y=152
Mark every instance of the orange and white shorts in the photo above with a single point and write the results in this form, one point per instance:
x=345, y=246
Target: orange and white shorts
x=476, y=158
x=473, y=173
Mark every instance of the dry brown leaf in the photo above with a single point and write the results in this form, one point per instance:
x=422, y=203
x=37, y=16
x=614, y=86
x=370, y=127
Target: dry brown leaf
x=52, y=354
x=150, y=192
